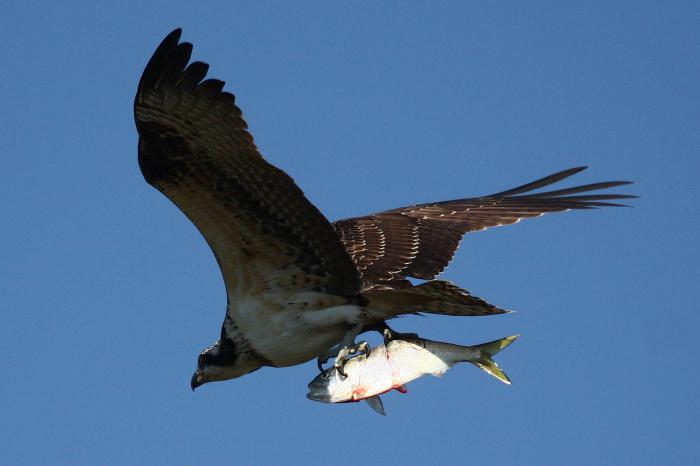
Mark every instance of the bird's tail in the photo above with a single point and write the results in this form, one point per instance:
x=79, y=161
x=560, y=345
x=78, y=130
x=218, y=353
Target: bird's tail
x=433, y=297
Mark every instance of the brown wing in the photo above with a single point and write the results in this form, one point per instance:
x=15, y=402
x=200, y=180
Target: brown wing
x=195, y=149
x=419, y=241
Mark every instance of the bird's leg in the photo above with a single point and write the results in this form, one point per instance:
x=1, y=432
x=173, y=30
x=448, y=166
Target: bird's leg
x=349, y=316
x=354, y=318
x=320, y=361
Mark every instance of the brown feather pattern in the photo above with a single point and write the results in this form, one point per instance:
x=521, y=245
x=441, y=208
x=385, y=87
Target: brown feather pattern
x=195, y=148
x=436, y=297
x=419, y=241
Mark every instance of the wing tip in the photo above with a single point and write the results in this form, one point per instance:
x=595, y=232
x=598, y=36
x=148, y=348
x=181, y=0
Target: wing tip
x=170, y=66
x=159, y=64
x=177, y=32
x=541, y=182
x=575, y=170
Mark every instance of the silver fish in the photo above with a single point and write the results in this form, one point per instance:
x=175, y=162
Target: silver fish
x=394, y=364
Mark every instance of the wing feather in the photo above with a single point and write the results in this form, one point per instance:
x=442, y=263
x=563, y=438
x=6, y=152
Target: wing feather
x=195, y=148
x=419, y=241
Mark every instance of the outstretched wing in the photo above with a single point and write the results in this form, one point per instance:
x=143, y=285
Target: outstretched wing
x=419, y=241
x=195, y=149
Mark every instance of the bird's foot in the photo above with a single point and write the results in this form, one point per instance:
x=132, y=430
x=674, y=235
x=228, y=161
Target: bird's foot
x=345, y=353
x=341, y=354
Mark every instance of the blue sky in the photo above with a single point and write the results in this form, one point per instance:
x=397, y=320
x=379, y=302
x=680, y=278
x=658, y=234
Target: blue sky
x=108, y=293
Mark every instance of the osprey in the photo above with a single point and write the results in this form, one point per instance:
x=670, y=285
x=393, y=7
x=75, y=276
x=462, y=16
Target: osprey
x=298, y=286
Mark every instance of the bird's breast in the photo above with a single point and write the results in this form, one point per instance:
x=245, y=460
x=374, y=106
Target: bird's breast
x=277, y=325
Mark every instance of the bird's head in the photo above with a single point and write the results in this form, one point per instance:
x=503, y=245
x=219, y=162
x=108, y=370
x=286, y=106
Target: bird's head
x=223, y=360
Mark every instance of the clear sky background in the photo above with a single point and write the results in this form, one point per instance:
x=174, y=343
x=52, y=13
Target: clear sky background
x=108, y=293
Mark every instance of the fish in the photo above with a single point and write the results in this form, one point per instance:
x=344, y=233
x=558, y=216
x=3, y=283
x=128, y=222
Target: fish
x=395, y=363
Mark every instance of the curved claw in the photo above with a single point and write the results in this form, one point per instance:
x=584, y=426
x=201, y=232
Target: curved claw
x=359, y=349
x=390, y=335
x=339, y=369
x=363, y=348
x=386, y=333
x=340, y=360
x=339, y=365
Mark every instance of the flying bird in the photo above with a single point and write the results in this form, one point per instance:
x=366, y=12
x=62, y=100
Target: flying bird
x=298, y=286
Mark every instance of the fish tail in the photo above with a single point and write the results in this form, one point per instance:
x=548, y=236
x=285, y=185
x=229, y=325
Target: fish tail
x=486, y=351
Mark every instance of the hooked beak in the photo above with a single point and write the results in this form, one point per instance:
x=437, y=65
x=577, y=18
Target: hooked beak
x=197, y=380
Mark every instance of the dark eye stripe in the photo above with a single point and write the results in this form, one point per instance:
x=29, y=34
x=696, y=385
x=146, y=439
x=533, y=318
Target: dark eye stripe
x=223, y=355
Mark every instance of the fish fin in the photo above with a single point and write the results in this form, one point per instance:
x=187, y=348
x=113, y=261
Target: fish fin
x=401, y=389
x=376, y=404
x=489, y=349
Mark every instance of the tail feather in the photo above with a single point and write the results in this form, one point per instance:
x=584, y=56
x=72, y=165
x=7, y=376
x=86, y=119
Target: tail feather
x=433, y=297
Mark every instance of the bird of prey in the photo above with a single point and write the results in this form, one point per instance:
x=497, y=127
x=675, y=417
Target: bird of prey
x=297, y=285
